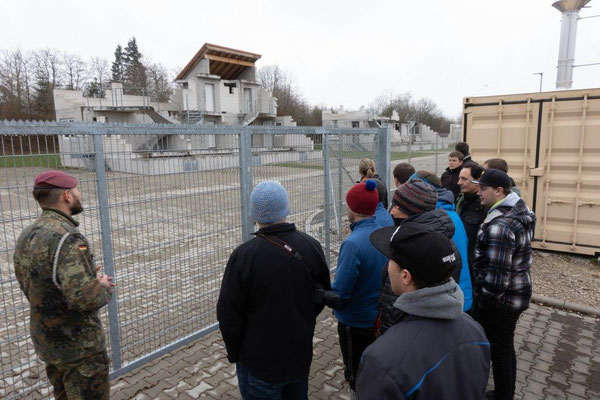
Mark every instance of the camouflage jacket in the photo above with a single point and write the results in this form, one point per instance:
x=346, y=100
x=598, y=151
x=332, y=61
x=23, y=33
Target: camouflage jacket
x=64, y=322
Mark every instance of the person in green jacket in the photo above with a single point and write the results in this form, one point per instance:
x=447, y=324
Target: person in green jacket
x=56, y=271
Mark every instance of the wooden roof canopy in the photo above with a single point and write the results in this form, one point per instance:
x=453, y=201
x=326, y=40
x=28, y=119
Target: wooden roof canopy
x=223, y=61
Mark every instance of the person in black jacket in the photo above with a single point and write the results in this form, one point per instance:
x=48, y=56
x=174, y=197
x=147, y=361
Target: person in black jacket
x=435, y=351
x=469, y=208
x=450, y=176
x=463, y=147
x=415, y=202
x=266, y=307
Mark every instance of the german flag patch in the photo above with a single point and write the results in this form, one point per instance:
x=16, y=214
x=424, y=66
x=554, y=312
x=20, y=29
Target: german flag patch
x=82, y=247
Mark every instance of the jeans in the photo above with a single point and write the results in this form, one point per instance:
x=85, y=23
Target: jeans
x=499, y=326
x=253, y=388
x=353, y=342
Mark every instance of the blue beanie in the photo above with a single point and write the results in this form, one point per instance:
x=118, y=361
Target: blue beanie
x=269, y=202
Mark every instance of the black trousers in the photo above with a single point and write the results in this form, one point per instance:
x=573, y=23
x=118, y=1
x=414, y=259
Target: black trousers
x=353, y=342
x=499, y=326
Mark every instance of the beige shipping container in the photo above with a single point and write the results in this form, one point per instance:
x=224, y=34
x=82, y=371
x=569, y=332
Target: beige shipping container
x=551, y=141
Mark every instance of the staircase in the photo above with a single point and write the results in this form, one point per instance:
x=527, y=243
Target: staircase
x=191, y=117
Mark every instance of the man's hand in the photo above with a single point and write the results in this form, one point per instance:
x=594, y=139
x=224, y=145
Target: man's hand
x=106, y=281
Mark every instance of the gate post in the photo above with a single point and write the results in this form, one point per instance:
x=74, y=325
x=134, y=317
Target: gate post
x=327, y=178
x=246, y=182
x=107, y=249
x=384, y=144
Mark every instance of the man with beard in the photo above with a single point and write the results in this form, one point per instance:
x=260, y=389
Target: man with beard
x=56, y=271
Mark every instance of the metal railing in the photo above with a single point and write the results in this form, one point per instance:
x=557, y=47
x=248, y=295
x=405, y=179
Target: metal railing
x=164, y=220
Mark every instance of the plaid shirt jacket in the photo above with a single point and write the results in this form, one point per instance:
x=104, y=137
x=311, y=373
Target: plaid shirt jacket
x=502, y=258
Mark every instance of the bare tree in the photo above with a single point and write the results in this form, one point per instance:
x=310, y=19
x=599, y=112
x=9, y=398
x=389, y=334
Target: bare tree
x=75, y=71
x=423, y=110
x=159, y=87
x=99, y=78
x=16, y=101
x=47, y=65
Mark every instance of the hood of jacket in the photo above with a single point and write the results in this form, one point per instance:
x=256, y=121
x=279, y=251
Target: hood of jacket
x=512, y=207
x=440, y=302
x=445, y=199
x=436, y=220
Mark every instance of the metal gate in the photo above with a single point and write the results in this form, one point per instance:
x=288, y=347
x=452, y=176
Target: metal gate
x=164, y=208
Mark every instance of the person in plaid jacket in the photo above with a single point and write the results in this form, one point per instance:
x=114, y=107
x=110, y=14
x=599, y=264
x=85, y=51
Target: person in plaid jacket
x=501, y=265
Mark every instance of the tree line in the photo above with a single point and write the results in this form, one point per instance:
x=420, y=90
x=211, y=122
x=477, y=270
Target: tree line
x=27, y=81
x=28, y=78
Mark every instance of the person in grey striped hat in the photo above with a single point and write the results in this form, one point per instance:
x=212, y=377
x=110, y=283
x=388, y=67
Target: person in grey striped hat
x=411, y=198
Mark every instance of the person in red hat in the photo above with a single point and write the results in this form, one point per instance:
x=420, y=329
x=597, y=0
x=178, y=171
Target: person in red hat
x=355, y=290
x=56, y=271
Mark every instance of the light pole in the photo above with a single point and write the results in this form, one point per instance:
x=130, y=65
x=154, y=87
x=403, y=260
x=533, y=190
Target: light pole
x=541, y=74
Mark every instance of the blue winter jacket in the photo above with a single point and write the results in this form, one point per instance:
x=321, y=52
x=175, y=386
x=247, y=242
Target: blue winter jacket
x=446, y=203
x=383, y=217
x=358, y=276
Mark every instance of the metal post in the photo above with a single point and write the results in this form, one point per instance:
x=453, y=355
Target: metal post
x=340, y=182
x=107, y=250
x=327, y=222
x=410, y=137
x=541, y=74
x=384, y=143
x=246, y=182
x=437, y=150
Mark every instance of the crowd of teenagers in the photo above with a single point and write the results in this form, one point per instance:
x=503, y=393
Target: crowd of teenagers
x=428, y=288
x=427, y=291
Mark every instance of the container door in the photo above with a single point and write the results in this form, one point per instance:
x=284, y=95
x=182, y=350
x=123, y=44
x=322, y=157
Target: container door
x=568, y=192
x=507, y=131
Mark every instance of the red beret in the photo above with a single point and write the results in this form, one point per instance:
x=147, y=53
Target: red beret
x=54, y=180
x=362, y=198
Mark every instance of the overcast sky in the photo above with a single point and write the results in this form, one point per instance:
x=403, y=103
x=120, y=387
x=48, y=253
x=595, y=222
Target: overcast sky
x=339, y=52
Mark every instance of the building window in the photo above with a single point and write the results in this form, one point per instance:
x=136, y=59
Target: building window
x=355, y=124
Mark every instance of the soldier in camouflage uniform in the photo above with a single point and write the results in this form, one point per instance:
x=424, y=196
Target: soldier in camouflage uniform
x=56, y=271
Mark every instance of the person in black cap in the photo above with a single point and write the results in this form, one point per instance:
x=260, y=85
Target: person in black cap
x=501, y=265
x=56, y=271
x=435, y=351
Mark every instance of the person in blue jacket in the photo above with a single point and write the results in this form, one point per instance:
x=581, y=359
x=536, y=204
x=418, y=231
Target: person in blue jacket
x=446, y=203
x=355, y=289
x=382, y=216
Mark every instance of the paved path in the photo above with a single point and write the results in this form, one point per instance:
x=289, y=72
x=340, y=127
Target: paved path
x=558, y=358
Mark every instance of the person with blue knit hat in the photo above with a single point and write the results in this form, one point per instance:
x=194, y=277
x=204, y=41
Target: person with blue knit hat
x=267, y=306
x=355, y=289
x=446, y=202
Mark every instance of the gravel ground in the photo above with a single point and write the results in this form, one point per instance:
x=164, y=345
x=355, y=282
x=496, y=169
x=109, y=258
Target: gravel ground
x=569, y=277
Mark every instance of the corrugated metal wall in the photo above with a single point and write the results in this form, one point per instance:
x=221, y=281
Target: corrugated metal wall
x=551, y=142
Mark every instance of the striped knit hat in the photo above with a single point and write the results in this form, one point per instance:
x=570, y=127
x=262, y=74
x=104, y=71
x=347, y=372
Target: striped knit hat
x=415, y=197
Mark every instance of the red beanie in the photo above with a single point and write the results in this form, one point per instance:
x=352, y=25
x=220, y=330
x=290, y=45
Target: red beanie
x=362, y=198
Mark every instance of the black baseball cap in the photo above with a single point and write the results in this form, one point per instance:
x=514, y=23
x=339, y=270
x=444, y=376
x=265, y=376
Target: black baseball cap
x=494, y=178
x=428, y=255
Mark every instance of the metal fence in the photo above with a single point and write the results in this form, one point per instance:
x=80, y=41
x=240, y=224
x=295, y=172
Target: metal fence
x=164, y=207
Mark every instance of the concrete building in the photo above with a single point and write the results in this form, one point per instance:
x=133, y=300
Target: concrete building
x=362, y=118
x=402, y=131
x=218, y=86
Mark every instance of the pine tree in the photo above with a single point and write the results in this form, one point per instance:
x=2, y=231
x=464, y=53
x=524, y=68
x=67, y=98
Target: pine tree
x=134, y=71
x=94, y=89
x=118, y=65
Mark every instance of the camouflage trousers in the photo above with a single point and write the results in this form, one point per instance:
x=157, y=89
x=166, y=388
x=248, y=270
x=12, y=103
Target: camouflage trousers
x=82, y=379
